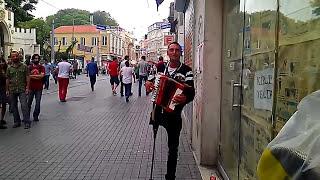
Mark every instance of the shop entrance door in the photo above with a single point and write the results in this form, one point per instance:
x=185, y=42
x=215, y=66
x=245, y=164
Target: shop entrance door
x=231, y=88
x=249, y=52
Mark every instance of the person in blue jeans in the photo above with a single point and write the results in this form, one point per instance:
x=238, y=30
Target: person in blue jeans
x=127, y=73
x=36, y=73
x=92, y=72
x=143, y=72
x=48, y=68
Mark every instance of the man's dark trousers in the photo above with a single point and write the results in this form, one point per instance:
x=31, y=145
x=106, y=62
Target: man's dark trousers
x=24, y=107
x=121, y=86
x=141, y=78
x=93, y=80
x=173, y=125
x=37, y=94
x=46, y=81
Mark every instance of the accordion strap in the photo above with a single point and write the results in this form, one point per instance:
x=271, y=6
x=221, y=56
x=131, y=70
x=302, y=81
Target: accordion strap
x=174, y=72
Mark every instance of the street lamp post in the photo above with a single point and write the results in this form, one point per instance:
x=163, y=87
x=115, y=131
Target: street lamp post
x=52, y=42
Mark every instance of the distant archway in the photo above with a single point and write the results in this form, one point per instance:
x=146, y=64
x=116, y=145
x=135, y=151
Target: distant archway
x=5, y=39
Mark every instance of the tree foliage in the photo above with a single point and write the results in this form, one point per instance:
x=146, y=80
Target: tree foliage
x=66, y=17
x=316, y=5
x=42, y=30
x=104, y=18
x=21, y=9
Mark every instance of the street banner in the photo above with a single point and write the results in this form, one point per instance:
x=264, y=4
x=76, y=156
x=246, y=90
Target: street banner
x=102, y=27
x=84, y=48
x=165, y=25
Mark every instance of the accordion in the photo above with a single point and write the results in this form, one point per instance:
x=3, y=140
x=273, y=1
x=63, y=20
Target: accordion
x=165, y=89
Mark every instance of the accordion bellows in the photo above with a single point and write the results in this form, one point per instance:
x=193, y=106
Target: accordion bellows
x=165, y=89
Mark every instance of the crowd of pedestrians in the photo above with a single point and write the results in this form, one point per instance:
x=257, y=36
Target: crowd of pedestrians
x=123, y=73
x=22, y=82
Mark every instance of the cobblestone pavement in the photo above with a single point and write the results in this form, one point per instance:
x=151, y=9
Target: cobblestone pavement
x=94, y=135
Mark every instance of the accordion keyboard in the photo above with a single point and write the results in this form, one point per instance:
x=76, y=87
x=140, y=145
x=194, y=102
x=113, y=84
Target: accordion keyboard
x=156, y=88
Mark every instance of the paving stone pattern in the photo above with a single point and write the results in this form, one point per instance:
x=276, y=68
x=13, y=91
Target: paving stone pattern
x=94, y=135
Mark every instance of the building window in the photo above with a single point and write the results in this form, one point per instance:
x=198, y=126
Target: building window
x=104, y=40
x=83, y=41
x=9, y=15
x=55, y=41
x=94, y=41
x=64, y=41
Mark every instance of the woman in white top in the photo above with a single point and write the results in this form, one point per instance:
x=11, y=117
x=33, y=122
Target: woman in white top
x=127, y=73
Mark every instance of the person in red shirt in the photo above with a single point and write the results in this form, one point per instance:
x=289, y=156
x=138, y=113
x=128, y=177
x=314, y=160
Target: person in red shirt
x=37, y=72
x=113, y=69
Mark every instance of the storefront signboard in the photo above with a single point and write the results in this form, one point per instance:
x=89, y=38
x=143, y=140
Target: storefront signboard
x=263, y=89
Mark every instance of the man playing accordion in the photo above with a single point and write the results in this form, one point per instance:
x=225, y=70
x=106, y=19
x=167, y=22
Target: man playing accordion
x=171, y=120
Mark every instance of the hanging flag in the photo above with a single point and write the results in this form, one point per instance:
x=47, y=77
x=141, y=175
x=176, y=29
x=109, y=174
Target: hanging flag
x=158, y=3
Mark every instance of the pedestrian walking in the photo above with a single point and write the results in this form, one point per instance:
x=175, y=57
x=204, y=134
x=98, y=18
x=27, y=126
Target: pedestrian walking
x=54, y=73
x=48, y=69
x=160, y=65
x=113, y=69
x=18, y=87
x=3, y=96
x=172, y=121
x=75, y=68
x=92, y=72
x=143, y=72
x=127, y=73
x=37, y=74
x=63, y=68
x=122, y=64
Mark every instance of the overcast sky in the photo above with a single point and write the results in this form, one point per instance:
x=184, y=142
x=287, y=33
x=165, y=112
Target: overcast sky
x=133, y=15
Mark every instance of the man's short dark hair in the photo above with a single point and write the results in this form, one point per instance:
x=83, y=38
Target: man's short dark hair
x=143, y=57
x=126, y=57
x=160, y=58
x=14, y=52
x=114, y=58
x=126, y=63
x=176, y=44
x=34, y=56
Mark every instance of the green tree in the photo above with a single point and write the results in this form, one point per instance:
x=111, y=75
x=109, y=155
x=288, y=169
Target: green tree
x=65, y=17
x=104, y=18
x=42, y=30
x=21, y=9
x=316, y=5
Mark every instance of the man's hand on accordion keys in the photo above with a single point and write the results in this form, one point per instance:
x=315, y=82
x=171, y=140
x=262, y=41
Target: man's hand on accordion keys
x=149, y=86
x=179, y=99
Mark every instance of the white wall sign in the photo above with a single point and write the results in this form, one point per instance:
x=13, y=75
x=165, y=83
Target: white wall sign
x=263, y=89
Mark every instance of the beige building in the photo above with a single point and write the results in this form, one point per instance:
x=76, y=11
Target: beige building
x=102, y=45
x=157, y=39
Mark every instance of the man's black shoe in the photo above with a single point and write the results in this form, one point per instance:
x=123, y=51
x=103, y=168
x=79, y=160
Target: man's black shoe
x=27, y=126
x=3, y=122
x=127, y=99
x=3, y=127
x=16, y=125
x=35, y=119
